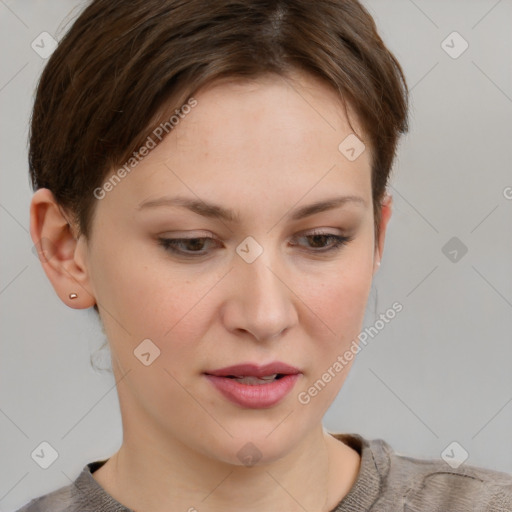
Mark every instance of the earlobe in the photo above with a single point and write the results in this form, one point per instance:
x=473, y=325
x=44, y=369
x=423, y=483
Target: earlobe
x=57, y=249
x=386, y=210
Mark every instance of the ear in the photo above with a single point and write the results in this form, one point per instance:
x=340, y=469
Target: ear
x=387, y=204
x=62, y=256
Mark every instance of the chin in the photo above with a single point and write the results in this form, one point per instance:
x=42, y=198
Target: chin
x=255, y=446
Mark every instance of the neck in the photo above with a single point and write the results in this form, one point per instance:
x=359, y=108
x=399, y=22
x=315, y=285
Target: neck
x=146, y=478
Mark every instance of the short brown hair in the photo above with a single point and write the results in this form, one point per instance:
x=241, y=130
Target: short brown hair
x=121, y=65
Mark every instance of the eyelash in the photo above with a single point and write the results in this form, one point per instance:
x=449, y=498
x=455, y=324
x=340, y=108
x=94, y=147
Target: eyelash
x=169, y=244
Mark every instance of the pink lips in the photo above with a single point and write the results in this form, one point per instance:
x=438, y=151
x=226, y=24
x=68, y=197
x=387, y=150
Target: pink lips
x=257, y=395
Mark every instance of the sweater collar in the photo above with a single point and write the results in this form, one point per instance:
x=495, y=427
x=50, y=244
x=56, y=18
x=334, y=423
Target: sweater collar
x=364, y=492
x=373, y=470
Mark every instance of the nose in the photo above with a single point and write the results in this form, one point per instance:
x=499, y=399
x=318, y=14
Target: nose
x=261, y=302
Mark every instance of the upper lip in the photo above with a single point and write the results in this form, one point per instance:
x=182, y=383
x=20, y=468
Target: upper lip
x=253, y=370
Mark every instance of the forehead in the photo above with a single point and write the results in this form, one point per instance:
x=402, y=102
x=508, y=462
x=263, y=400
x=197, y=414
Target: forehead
x=298, y=105
x=271, y=136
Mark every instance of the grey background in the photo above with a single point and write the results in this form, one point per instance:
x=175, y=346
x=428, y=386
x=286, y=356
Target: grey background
x=439, y=372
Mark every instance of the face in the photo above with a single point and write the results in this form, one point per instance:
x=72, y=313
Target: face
x=266, y=286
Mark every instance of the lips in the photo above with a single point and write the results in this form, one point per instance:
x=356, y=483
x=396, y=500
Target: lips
x=252, y=386
x=253, y=370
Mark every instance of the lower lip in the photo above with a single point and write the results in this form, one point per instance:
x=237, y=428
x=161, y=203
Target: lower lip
x=256, y=396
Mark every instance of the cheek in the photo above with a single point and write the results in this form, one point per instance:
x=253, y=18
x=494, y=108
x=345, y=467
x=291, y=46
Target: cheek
x=147, y=297
x=339, y=295
x=339, y=305
x=138, y=283
x=137, y=299
x=143, y=297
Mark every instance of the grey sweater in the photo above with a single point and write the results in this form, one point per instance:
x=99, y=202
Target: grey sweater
x=387, y=482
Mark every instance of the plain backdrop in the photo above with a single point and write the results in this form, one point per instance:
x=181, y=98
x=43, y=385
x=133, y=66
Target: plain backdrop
x=439, y=372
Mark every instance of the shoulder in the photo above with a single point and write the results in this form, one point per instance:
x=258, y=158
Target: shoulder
x=84, y=494
x=389, y=479
x=60, y=500
x=432, y=484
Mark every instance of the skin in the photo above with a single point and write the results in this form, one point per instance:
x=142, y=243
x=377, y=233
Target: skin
x=263, y=148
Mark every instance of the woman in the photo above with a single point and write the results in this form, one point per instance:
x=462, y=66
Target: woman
x=211, y=178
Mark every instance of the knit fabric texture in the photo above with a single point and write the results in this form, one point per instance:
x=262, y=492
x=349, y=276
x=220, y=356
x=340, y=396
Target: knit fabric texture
x=387, y=482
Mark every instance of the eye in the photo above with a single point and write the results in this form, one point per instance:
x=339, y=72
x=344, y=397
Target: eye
x=320, y=238
x=194, y=247
x=172, y=244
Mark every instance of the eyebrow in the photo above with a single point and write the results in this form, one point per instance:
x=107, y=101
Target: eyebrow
x=219, y=212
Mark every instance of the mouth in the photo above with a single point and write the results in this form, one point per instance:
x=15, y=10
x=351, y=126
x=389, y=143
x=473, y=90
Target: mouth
x=271, y=371
x=252, y=386
x=255, y=381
